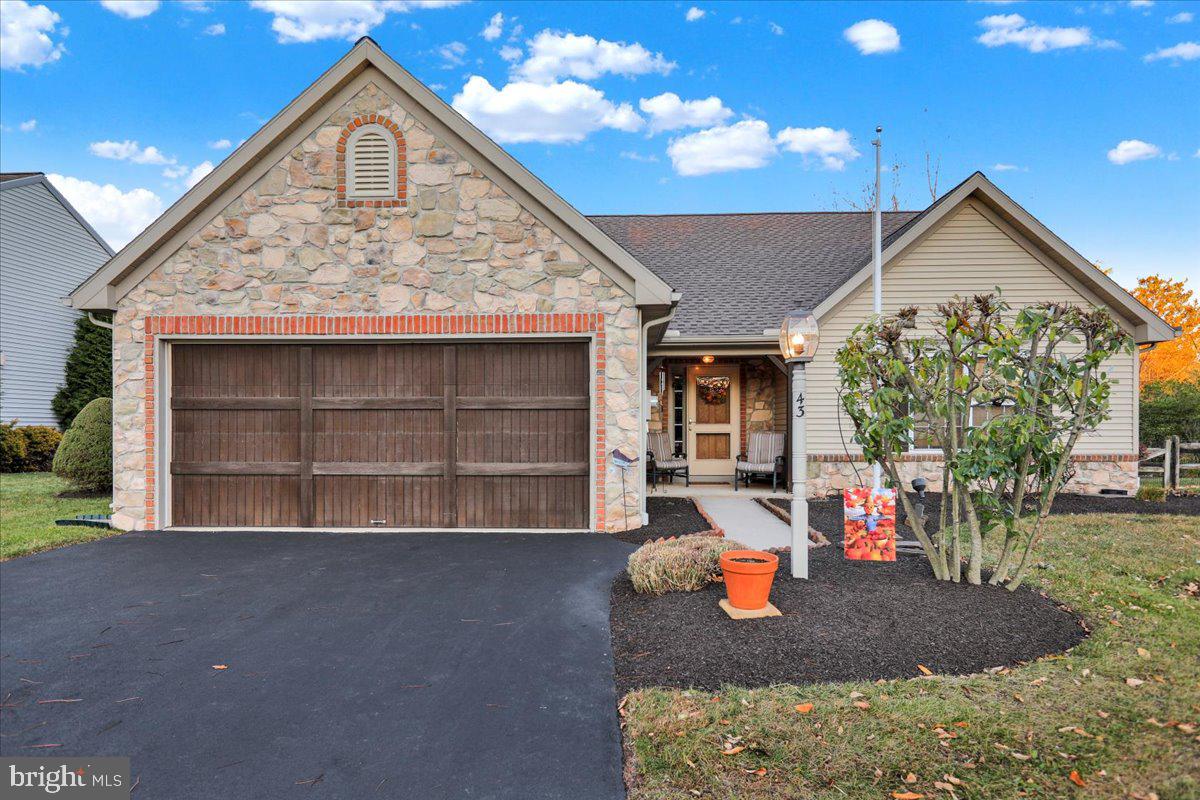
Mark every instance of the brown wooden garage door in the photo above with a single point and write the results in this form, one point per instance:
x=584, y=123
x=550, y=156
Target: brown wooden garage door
x=487, y=435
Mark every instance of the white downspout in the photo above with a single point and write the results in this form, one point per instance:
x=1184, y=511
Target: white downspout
x=99, y=323
x=644, y=402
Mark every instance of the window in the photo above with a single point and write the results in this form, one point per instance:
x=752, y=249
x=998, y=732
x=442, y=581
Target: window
x=926, y=438
x=678, y=426
x=371, y=156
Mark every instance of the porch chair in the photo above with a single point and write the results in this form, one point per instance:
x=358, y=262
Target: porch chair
x=765, y=458
x=663, y=459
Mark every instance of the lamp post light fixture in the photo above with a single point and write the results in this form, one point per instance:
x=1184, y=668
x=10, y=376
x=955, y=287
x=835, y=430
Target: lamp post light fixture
x=798, y=340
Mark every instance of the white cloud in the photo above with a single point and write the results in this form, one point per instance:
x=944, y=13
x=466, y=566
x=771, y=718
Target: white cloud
x=743, y=145
x=668, y=112
x=634, y=156
x=25, y=33
x=776, y=28
x=117, y=216
x=537, y=112
x=177, y=171
x=1141, y=3
x=494, y=28
x=221, y=144
x=1184, y=51
x=1002, y=167
x=1130, y=150
x=694, y=14
x=831, y=147
x=510, y=53
x=216, y=29
x=131, y=9
x=557, y=55
x=1181, y=18
x=129, y=150
x=313, y=20
x=1002, y=29
x=872, y=36
x=452, y=54
x=197, y=173
x=28, y=125
x=199, y=6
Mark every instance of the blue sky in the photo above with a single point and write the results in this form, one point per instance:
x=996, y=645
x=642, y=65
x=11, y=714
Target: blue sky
x=1086, y=113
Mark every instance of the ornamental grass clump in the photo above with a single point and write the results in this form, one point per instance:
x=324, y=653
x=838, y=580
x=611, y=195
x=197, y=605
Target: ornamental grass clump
x=685, y=564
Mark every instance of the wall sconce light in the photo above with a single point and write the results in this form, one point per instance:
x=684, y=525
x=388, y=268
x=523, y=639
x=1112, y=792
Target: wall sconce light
x=708, y=359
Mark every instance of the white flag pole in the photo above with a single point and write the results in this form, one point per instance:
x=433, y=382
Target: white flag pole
x=877, y=258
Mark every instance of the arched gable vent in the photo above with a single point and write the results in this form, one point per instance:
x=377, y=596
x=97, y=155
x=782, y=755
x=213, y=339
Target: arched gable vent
x=371, y=163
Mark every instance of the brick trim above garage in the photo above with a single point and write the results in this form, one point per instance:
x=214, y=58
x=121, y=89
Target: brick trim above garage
x=424, y=325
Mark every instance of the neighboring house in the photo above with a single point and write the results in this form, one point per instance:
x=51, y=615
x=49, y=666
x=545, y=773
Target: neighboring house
x=370, y=315
x=46, y=250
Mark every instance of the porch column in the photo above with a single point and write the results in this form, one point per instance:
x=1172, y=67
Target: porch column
x=799, y=464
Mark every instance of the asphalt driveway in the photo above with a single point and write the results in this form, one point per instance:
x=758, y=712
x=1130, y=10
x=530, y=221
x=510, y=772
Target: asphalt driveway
x=358, y=665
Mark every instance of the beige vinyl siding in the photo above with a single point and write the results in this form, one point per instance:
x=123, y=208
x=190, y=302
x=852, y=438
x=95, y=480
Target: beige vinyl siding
x=967, y=254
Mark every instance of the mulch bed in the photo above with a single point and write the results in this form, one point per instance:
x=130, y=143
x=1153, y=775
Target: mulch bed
x=669, y=516
x=850, y=621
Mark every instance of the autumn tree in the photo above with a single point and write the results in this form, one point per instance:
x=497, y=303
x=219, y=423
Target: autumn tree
x=1178, y=359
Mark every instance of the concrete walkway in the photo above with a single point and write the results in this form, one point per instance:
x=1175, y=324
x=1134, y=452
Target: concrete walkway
x=747, y=522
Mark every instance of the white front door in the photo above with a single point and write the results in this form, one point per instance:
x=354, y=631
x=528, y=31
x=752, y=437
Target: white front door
x=713, y=400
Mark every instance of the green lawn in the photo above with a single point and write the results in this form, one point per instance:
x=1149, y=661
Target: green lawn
x=1118, y=717
x=29, y=504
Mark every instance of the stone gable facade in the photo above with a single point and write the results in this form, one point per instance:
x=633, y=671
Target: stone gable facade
x=458, y=244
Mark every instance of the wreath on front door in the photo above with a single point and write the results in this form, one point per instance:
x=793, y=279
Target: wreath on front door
x=713, y=391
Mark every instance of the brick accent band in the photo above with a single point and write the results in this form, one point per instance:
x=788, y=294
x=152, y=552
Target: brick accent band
x=401, y=197
x=366, y=325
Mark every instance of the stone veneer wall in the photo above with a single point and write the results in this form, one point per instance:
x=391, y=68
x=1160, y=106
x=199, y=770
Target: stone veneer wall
x=828, y=475
x=285, y=247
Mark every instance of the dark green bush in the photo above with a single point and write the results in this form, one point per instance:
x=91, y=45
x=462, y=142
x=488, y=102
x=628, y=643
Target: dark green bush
x=12, y=447
x=88, y=373
x=41, y=442
x=85, y=456
x=1170, y=408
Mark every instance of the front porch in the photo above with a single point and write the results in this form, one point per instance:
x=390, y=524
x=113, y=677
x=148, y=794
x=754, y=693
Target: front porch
x=709, y=407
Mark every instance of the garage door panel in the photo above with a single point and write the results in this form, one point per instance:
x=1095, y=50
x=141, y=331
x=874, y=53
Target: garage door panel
x=522, y=435
x=258, y=501
x=363, y=501
x=519, y=501
x=530, y=369
x=377, y=370
x=483, y=434
x=378, y=435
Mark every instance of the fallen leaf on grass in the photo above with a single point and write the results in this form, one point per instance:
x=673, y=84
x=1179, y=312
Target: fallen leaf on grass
x=907, y=796
x=924, y=669
x=910, y=778
x=863, y=704
x=1143, y=652
x=804, y=708
x=733, y=751
x=1134, y=681
x=759, y=772
x=1102, y=714
x=1075, y=779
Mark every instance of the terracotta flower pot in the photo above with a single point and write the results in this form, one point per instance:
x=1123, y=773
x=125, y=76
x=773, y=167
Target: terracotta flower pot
x=748, y=577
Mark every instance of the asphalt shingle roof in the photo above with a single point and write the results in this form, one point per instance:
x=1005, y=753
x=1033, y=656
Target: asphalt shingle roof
x=740, y=273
